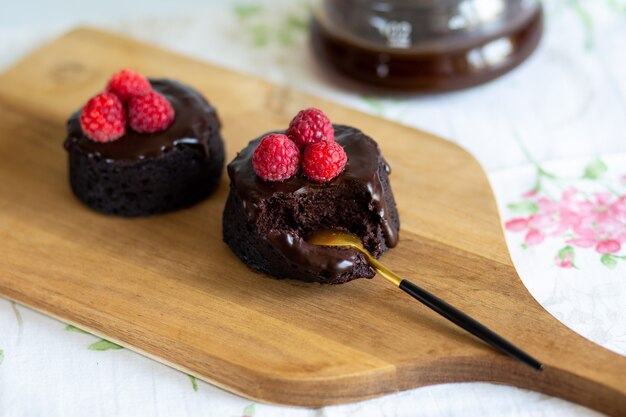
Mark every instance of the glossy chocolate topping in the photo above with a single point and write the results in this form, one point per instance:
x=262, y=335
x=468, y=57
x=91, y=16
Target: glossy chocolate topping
x=361, y=172
x=194, y=117
x=336, y=261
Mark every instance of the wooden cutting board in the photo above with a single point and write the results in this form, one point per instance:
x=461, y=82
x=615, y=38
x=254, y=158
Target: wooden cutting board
x=168, y=287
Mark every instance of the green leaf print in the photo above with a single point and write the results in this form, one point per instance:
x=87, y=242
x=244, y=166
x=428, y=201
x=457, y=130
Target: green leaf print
x=529, y=207
x=1, y=356
x=595, y=169
x=194, y=382
x=262, y=27
x=567, y=250
x=100, y=345
x=377, y=105
x=104, y=345
x=260, y=35
x=297, y=23
x=615, y=6
x=249, y=411
x=609, y=261
x=244, y=11
x=75, y=329
x=286, y=38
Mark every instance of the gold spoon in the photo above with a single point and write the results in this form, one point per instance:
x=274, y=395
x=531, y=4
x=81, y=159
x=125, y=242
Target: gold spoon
x=341, y=238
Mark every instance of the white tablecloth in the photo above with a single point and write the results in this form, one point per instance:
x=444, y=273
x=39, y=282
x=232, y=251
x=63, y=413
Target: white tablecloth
x=560, y=118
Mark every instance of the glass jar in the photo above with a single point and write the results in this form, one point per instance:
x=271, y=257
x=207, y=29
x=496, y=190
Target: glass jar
x=425, y=45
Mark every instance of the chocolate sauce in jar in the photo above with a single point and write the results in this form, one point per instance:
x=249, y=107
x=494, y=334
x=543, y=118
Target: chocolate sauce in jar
x=425, y=45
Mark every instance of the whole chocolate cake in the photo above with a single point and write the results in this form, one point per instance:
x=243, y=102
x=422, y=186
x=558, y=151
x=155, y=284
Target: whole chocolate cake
x=147, y=172
x=266, y=222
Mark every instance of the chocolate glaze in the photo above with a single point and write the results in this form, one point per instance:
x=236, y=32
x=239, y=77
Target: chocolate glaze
x=193, y=118
x=363, y=171
x=362, y=167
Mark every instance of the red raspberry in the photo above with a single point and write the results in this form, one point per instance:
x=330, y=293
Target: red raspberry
x=310, y=126
x=126, y=84
x=276, y=158
x=323, y=161
x=150, y=113
x=103, y=118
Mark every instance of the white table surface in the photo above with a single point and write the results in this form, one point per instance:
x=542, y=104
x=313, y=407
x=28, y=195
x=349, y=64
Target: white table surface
x=564, y=107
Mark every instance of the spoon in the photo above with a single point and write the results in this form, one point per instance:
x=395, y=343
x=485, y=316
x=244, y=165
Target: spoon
x=341, y=238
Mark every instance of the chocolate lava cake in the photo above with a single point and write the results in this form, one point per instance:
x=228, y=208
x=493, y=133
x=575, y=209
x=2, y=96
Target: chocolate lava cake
x=266, y=223
x=139, y=174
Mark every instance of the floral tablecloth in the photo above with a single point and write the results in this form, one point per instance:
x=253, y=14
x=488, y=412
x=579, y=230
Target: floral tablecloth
x=551, y=135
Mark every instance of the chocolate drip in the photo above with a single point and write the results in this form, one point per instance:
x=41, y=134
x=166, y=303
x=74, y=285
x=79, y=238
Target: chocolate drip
x=192, y=127
x=362, y=169
x=333, y=262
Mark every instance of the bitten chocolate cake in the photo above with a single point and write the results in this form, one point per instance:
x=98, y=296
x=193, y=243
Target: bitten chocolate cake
x=266, y=222
x=169, y=156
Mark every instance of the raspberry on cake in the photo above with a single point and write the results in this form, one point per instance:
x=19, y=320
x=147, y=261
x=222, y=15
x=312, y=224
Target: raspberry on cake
x=310, y=126
x=170, y=155
x=343, y=185
x=126, y=84
x=323, y=161
x=149, y=113
x=276, y=158
x=103, y=118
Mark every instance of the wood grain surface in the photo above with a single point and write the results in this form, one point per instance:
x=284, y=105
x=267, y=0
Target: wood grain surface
x=168, y=287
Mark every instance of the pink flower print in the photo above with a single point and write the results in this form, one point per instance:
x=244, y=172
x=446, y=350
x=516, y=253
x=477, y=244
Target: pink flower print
x=580, y=219
x=601, y=224
x=548, y=217
x=542, y=221
x=582, y=242
x=607, y=236
x=516, y=225
x=556, y=217
x=603, y=210
x=534, y=237
x=534, y=192
x=619, y=207
x=608, y=246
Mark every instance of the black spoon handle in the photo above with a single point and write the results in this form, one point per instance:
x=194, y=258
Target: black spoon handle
x=461, y=319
